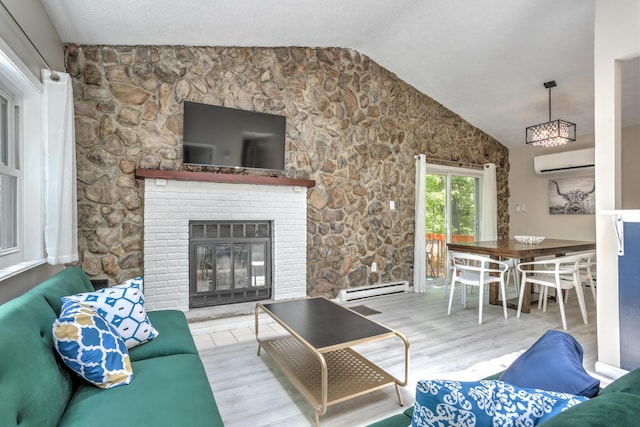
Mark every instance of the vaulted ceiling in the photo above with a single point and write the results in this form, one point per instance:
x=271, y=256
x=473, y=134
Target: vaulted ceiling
x=486, y=60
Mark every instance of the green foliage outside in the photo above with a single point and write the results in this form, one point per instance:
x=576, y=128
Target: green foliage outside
x=463, y=191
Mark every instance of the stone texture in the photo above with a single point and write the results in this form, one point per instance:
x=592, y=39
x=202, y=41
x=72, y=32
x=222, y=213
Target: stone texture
x=352, y=126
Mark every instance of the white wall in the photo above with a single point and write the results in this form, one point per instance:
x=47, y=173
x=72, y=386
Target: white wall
x=34, y=20
x=531, y=190
x=617, y=36
x=630, y=150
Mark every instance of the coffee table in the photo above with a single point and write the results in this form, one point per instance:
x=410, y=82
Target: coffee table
x=316, y=354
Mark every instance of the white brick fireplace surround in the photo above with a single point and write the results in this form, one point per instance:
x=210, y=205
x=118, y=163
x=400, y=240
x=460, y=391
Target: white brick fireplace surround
x=169, y=205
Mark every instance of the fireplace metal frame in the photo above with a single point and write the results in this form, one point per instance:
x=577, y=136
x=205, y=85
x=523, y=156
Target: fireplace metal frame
x=238, y=236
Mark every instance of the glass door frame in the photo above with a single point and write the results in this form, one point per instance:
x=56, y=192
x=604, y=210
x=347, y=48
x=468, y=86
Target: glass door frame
x=449, y=171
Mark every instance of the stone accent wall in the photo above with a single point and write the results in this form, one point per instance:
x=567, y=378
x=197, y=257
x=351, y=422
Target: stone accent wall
x=352, y=126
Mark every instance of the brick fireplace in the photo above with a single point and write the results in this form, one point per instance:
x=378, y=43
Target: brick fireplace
x=169, y=206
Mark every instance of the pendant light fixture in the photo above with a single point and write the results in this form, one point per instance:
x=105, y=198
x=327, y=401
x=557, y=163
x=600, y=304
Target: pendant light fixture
x=553, y=132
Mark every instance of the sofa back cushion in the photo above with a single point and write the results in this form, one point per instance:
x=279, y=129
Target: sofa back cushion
x=614, y=409
x=628, y=383
x=34, y=386
x=71, y=280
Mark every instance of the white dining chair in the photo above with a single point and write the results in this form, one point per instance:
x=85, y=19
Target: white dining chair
x=586, y=271
x=512, y=273
x=586, y=274
x=449, y=276
x=451, y=260
x=477, y=271
x=557, y=273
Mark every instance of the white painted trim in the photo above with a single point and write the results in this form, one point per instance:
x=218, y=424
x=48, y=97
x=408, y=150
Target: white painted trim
x=13, y=67
x=628, y=215
x=16, y=269
x=609, y=370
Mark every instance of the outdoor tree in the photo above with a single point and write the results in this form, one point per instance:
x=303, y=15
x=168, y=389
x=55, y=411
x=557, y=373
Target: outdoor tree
x=463, y=204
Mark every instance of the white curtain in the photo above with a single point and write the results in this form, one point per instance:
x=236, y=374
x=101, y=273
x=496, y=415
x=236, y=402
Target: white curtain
x=419, y=256
x=488, y=213
x=61, y=219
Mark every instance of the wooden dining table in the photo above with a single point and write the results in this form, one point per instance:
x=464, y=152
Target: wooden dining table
x=525, y=253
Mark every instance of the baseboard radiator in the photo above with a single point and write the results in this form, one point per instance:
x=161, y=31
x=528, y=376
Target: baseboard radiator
x=364, y=292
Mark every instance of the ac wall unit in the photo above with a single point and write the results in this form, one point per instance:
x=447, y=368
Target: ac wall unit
x=567, y=161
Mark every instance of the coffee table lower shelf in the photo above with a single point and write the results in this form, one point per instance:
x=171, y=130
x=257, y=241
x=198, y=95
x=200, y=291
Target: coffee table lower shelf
x=347, y=374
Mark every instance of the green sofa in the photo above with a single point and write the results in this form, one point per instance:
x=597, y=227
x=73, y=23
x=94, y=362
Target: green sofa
x=618, y=404
x=170, y=386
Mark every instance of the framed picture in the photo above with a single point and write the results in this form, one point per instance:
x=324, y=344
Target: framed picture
x=575, y=195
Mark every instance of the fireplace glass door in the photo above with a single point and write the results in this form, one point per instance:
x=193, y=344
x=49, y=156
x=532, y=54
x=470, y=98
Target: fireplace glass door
x=229, y=262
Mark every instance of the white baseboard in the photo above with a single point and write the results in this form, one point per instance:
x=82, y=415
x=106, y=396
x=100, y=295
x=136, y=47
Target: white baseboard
x=609, y=370
x=382, y=289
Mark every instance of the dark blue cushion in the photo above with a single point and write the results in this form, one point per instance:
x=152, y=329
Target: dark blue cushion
x=553, y=363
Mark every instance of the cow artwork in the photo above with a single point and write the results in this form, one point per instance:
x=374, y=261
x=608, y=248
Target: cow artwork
x=572, y=195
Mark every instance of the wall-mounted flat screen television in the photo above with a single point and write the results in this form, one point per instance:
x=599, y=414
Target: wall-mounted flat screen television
x=232, y=138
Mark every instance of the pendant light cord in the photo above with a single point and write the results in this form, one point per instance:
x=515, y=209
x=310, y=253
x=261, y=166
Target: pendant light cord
x=549, y=104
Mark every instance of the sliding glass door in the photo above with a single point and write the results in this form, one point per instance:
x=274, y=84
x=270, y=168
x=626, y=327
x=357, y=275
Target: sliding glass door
x=451, y=213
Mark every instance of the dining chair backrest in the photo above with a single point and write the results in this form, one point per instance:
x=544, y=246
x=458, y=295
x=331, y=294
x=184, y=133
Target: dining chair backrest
x=478, y=263
x=476, y=270
x=586, y=271
x=563, y=265
x=588, y=256
x=558, y=273
x=587, y=262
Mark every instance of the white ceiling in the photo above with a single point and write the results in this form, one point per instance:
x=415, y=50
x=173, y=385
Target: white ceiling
x=486, y=60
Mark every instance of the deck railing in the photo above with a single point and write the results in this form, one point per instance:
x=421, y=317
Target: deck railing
x=436, y=248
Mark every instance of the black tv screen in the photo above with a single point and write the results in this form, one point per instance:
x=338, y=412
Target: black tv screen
x=228, y=137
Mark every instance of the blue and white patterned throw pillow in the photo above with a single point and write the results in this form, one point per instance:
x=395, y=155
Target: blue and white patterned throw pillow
x=485, y=403
x=123, y=307
x=91, y=347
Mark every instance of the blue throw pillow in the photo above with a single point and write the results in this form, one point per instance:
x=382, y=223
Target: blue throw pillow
x=485, y=403
x=91, y=347
x=553, y=363
x=123, y=307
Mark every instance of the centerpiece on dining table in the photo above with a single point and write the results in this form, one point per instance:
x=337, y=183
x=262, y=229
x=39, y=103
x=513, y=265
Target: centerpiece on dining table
x=529, y=240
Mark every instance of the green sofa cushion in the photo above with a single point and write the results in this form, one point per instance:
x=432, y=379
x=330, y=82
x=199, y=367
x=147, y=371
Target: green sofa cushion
x=174, y=336
x=71, y=280
x=34, y=385
x=628, y=383
x=409, y=412
x=191, y=402
x=399, y=420
x=614, y=409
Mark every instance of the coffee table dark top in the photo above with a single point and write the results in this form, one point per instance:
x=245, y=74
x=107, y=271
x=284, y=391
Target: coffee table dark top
x=324, y=324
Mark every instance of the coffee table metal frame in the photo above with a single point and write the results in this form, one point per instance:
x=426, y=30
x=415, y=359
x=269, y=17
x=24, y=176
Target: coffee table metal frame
x=330, y=374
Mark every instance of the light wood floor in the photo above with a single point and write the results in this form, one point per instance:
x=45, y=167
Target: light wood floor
x=251, y=390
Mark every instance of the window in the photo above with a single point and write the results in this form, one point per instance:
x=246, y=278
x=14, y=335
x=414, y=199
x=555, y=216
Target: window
x=21, y=166
x=9, y=172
